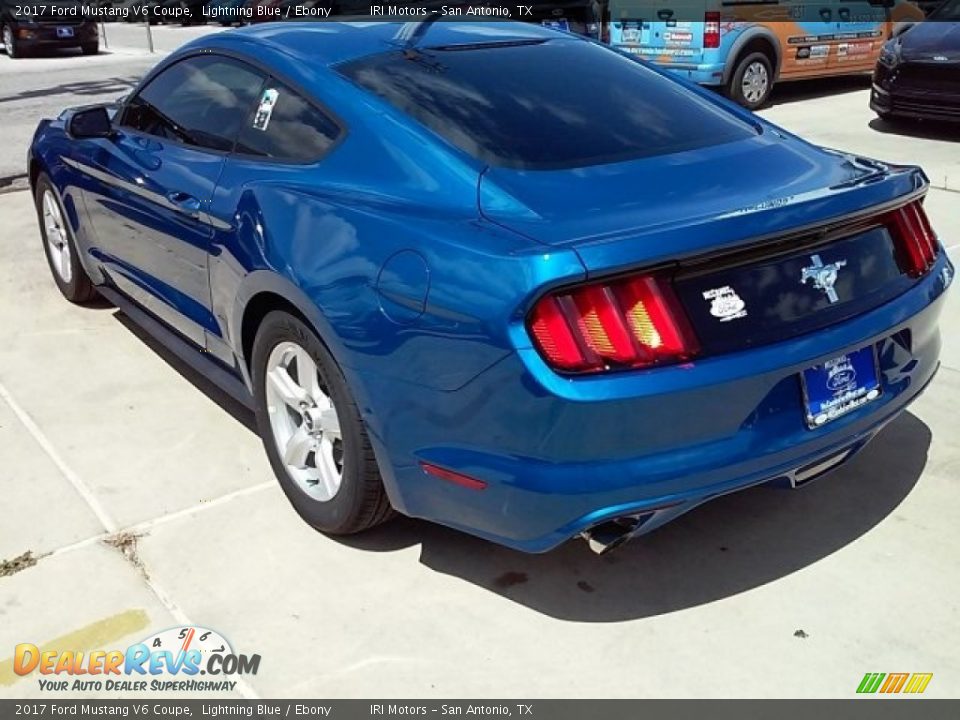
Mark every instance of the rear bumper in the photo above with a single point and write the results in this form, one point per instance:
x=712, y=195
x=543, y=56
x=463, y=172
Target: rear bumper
x=702, y=74
x=45, y=37
x=559, y=456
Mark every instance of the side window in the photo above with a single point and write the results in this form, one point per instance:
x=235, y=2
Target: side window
x=199, y=101
x=285, y=126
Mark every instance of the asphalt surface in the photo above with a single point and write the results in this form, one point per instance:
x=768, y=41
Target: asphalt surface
x=146, y=502
x=37, y=87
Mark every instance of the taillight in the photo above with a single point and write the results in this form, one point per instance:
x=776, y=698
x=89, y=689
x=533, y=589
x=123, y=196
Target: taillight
x=711, y=30
x=624, y=323
x=916, y=242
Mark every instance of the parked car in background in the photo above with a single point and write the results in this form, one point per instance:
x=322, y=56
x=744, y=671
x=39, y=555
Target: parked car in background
x=25, y=33
x=497, y=276
x=918, y=72
x=744, y=47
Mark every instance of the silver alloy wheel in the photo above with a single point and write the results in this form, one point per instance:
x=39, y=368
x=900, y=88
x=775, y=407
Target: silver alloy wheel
x=57, y=242
x=305, y=425
x=755, y=82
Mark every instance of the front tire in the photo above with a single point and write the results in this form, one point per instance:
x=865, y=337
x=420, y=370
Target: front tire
x=752, y=81
x=90, y=48
x=59, y=245
x=312, y=431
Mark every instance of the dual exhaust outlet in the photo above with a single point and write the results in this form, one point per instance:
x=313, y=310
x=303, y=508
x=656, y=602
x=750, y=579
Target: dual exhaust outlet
x=610, y=535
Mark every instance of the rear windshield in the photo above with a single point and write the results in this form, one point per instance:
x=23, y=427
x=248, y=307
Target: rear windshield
x=545, y=104
x=950, y=10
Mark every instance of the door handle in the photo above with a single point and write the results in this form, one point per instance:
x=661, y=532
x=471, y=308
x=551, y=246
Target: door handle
x=665, y=14
x=185, y=203
x=844, y=14
x=826, y=13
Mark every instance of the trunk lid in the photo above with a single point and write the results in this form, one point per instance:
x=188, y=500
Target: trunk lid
x=666, y=41
x=745, y=231
x=672, y=207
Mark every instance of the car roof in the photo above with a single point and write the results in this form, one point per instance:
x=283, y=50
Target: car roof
x=330, y=42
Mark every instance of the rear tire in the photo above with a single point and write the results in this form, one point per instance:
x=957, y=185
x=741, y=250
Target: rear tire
x=10, y=43
x=751, y=81
x=312, y=430
x=59, y=245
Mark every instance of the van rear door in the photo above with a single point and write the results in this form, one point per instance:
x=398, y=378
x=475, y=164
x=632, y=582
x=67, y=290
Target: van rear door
x=667, y=35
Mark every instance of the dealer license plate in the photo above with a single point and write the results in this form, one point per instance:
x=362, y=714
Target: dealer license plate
x=559, y=24
x=65, y=32
x=839, y=386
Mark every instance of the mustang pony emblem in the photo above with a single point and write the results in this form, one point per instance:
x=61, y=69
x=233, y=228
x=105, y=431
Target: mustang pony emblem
x=824, y=276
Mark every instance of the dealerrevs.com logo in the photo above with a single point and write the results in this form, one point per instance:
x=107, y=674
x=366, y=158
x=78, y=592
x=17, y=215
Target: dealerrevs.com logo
x=179, y=659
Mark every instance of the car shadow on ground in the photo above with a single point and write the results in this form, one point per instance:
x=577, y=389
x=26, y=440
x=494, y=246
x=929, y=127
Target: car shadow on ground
x=799, y=90
x=728, y=546
x=922, y=129
x=119, y=85
x=56, y=53
x=237, y=410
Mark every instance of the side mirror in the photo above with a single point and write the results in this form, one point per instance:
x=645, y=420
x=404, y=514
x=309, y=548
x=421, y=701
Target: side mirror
x=91, y=122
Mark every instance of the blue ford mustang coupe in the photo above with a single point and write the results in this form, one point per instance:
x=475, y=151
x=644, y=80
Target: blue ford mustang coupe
x=497, y=276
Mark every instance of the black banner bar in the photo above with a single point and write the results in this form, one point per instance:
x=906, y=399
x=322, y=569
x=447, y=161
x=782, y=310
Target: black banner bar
x=588, y=11
x=872, y=708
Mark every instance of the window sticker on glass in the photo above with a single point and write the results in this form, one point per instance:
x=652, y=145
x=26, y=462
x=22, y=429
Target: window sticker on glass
x=262, y=119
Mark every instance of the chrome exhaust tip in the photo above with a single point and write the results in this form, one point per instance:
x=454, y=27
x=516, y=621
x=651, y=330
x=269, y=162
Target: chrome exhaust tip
x=608, y=536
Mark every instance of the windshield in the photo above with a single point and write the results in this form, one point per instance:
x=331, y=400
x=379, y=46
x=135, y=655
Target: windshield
x=535, y=104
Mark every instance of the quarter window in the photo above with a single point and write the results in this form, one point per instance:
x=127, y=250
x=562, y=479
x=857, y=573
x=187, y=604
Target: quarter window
x=285, y=126
x=201, y=101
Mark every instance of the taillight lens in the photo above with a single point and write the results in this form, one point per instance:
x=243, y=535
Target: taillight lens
x=711, y=30
x=916, y=242
x=624, y=323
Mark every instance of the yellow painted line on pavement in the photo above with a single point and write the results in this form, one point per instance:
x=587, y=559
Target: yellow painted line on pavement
x=95, y=636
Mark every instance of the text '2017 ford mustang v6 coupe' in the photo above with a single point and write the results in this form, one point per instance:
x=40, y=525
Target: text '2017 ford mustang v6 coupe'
x=497, y=276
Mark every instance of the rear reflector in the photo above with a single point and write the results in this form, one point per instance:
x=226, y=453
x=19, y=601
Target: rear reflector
x=454, y=477
x=711, y=30
x=624, y=323
x=917, y=244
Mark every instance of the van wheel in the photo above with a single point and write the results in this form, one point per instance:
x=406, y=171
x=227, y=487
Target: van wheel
x=752, y=81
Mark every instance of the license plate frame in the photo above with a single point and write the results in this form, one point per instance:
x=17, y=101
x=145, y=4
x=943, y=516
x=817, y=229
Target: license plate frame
x=840, y=385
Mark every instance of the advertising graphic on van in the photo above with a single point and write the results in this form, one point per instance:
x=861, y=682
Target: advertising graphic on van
x=745, y=47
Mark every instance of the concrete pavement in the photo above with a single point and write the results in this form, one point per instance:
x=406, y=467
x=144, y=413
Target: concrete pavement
x=835, y=113
x=764, y=593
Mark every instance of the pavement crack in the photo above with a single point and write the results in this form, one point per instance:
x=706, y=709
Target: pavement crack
x=126, y=542
x=19, y=563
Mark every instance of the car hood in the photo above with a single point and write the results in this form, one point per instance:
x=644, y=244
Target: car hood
x=928, y=40
x=689, y=203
